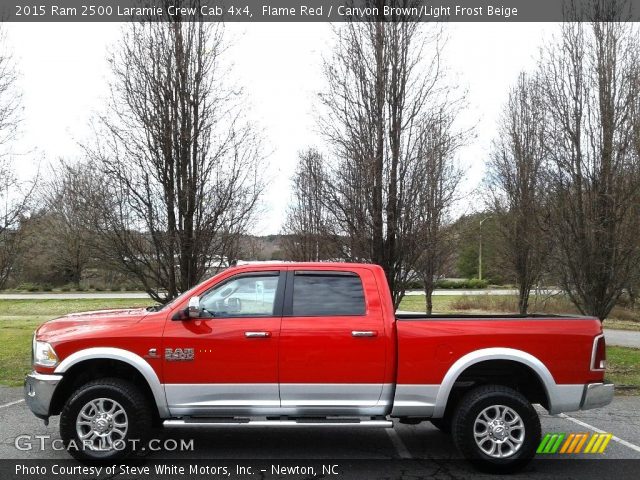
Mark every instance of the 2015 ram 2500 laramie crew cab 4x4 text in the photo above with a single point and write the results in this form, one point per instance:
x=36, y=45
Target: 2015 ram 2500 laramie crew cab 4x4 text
x=308, y=345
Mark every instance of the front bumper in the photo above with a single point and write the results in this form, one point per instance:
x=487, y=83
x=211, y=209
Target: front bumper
x=38, y=392
x=596, y=395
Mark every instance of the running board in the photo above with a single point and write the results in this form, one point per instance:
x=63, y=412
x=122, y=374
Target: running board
x=242, y=422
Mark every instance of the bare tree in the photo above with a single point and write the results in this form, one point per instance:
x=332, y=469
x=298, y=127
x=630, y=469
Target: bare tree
x=516, y=187
x=10, y=97
x=591, y=80
x=181, y=165
x=437, y=178
x=14, y=196
x=66, y=195
x=305, y=229
x=381, y=83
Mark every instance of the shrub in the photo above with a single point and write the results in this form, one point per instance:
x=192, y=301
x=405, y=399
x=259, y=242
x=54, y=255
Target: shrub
x=477, y=283
x=472, y=283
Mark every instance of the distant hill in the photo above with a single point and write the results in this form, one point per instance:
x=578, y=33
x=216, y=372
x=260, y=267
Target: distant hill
x=268, y=247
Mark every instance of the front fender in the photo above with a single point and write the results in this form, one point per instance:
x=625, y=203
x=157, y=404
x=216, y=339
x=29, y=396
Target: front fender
x=125, y=356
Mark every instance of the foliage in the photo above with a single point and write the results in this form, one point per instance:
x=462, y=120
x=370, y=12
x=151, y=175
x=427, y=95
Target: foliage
x=467, y=234
x=470, y=284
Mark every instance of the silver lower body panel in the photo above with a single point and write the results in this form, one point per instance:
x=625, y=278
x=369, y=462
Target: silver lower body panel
x=414, y=400
x=203, y=423
x=261, y=399
x=297, y=400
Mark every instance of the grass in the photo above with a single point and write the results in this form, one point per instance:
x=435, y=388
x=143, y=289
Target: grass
x=54, y=307
x=19, y=318
x=441, y=303
x=620, y=318
x=623, y=368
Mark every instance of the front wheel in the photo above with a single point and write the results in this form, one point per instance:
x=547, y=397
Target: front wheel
x=104, y=419
x=496, y=428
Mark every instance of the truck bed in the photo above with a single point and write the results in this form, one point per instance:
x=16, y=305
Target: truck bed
x=471, y=316
x=428, y=346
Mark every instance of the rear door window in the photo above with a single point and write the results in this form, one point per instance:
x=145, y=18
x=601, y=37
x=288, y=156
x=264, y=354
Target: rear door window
x=330, y=294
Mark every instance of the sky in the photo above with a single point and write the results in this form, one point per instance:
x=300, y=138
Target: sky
x=64, y=77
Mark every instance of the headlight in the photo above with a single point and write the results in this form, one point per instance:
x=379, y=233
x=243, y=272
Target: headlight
x=44, y=354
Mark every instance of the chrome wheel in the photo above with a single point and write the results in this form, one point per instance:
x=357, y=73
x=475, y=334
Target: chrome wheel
x=102, y=425
x=499, y=431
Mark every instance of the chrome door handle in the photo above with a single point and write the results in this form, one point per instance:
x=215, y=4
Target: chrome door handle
x=257, y=334
x=364, y=333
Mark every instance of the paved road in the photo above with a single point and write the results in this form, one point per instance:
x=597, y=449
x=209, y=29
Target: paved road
x=622, y=338
x=403, y=452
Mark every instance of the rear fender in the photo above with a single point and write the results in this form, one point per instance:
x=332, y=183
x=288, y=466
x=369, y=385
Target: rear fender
x=559, y=400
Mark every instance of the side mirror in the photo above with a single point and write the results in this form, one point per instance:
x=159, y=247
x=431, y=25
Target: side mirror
x=194, y=307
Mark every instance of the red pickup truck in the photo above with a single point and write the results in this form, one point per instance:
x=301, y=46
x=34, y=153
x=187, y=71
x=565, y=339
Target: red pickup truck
x=307, y=345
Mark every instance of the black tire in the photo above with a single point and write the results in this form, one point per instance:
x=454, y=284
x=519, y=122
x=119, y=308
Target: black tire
x=443, y=424
x=137, y=416
x=464, y=421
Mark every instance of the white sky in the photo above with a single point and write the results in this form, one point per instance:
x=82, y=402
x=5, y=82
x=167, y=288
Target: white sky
x=64, y=78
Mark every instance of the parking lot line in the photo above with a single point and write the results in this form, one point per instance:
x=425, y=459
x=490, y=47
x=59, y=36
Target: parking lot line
x=595, y=429
x=11, y=403
x=403, y=451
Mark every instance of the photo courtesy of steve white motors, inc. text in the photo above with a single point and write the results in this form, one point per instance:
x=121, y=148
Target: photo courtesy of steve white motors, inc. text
x=170, y=470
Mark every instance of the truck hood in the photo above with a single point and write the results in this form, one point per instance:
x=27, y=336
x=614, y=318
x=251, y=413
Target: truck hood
x=90, y=322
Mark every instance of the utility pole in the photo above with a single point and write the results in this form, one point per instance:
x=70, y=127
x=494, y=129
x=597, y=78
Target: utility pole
x=480, y=249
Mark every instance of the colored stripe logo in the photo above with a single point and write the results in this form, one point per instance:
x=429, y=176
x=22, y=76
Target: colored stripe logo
x=574, y=443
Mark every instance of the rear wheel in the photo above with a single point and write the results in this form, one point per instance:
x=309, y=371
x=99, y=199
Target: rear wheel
x=496, y=429
x=104, y=419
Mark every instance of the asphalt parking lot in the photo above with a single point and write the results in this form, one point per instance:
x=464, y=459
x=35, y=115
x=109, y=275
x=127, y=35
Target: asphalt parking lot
x=403, y=452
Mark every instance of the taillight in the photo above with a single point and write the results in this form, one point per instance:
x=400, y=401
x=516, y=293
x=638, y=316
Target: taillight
x=599, y=355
